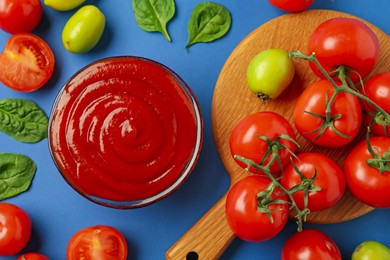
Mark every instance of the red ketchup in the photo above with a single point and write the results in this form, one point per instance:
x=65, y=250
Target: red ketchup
x=125, y=131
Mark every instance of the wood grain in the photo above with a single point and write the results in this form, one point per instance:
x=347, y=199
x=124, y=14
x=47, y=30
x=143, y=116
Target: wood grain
x=232, y=101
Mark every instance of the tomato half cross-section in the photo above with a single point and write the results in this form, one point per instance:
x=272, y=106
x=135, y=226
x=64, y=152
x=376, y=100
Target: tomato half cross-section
x=27, y=62
x=97, y=242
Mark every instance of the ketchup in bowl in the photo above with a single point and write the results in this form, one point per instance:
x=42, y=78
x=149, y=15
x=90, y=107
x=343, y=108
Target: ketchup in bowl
x=125, y=131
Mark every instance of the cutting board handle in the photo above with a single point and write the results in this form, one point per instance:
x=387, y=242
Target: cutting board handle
x=207, y=239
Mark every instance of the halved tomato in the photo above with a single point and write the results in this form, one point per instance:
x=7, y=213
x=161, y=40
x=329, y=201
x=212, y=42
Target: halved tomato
x=27, y=62
x=97, y=242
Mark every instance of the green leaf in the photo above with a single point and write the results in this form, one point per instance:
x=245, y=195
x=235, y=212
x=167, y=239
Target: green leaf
x=23, y=120
x=209, y=21
x=153, y=15
x=16, y=174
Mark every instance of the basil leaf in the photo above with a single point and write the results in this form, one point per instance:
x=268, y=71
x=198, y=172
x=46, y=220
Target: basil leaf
x=153, y=15
x=209, y=21
x=16, y=174
x=23, y=120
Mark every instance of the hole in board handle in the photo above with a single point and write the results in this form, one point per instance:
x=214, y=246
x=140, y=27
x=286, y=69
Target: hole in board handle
x=192, y=256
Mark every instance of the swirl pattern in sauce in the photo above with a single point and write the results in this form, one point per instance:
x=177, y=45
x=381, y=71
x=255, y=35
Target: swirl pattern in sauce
x=125, y=129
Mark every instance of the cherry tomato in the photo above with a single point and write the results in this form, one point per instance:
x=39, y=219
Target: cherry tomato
x=97, y=242
x=329, y=178
x=269, y=73
x=371, y=250
x=377, y=88
x=292, y=6
x=313, y=100
x=366, y=182
x=243, y=216
x=32, y=256
x=244, y=140
x=18, y=16
x=310, y=244
x=344, y=42
x=28, y=55
x=15, y=229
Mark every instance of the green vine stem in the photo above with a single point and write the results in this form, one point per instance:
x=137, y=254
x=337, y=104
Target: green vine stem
x=346, y=86
x=382, y=163
x=306, y=185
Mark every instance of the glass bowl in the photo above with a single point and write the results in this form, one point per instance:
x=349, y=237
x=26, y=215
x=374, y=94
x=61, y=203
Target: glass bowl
x=125, y=131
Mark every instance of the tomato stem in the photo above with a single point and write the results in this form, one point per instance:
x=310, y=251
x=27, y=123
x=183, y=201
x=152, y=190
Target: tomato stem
x=347, y=85
x=382, y=163
x=264, y=198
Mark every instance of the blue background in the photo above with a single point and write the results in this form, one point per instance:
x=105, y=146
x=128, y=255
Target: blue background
x=57, y=211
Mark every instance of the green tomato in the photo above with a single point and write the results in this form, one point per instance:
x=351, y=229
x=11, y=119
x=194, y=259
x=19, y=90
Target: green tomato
x=84, y=29
x=269, y=73
x=63, y=5
x=371, y=250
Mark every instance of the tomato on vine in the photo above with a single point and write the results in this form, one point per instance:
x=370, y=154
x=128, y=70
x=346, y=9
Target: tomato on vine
x=245, y=139
x=255, y=211
x=367, y=171
x=332, y=125
x=323, y=179
x=377, y=88
x=269, y=73
x=310, y=244
x=344, y=43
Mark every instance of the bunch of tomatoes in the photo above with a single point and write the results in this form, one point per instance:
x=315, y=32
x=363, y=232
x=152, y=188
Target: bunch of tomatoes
x=344, y=104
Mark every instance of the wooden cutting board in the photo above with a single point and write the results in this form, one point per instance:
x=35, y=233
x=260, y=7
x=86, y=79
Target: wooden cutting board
x=232, y=101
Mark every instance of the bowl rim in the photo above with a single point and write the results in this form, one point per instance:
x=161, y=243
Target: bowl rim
x=191, y=162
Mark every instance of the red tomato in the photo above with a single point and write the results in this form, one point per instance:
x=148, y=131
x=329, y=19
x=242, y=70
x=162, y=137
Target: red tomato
x=97, y=242
x=18, y=16
x=32, y=256
x=242, y=213
x=244, y=140
x=329, y=177
x=15, y=229
x=28, y=55
x=377, y=88
x=365, y=182
x=291, y=5
x=310, y=244
x=347, y=42
x=313, y=99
